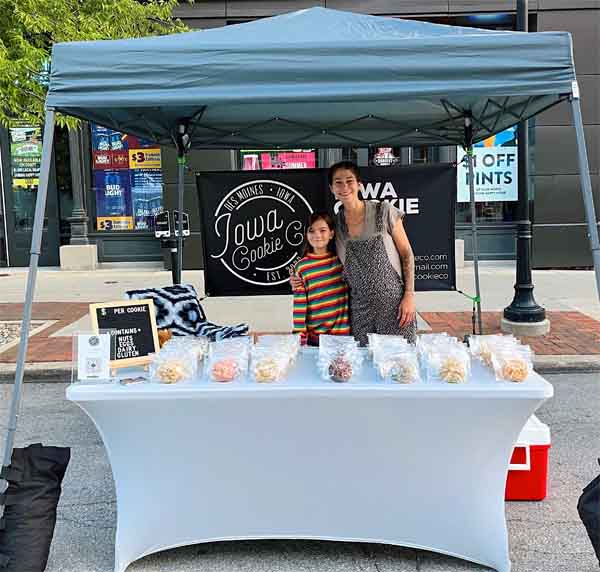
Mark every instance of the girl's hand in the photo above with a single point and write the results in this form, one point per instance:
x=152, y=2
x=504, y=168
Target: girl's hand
x=407, y=311
x=296, y=281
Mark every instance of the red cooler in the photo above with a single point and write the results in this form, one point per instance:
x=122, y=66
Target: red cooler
x=528, y=469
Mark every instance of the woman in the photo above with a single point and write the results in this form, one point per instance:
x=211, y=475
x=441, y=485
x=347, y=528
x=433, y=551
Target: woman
x=377, y=258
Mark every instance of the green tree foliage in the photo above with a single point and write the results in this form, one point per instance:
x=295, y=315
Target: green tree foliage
x=28, y=28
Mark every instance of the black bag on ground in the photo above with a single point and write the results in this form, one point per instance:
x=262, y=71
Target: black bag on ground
x=589, y=512
x=27, y=526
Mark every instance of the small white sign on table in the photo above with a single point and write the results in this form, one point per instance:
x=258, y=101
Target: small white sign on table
x=92, y=357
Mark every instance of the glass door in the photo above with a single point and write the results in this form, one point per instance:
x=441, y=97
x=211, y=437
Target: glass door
x=23, y=146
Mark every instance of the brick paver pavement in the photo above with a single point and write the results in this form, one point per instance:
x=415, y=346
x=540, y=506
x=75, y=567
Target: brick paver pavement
x=42, y=347
x=571, y=333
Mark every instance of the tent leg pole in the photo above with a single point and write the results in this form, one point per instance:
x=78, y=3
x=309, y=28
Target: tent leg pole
x=180, y=190
x=469, y=150
x=181, y=157
x=475, y=239
x=586, y=188
x=36, y=241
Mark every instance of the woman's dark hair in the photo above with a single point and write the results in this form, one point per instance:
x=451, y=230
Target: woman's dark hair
x=312, y=219
x=349, y=165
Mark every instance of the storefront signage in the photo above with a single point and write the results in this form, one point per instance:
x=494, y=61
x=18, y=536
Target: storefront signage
x=128, y=180
x=114, y=222
x=26, y=156
x=144, y=159
x=254, y=224
x=495, y=168
x=283, y=159
x=132, y=326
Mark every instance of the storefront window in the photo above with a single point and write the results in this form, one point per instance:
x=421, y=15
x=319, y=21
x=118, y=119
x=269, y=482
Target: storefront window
x=64, y=183
x=496, y=184
x=254, y=160
x=127, y=180
x=496, y=174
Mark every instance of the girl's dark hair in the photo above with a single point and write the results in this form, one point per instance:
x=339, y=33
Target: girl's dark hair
x=349, y=165
x=312, y=219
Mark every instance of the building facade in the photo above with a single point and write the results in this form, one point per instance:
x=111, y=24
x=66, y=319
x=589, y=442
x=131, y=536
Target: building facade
x=100, y=191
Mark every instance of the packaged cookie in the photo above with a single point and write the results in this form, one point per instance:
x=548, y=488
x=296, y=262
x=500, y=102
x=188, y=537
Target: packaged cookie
x=268, y=365
x=513, y=364
x=483, y=347
x=450, y=363
x=398, y=367
x=173, y=365
x=227, y=361
x=287, y=345
x=339, y=358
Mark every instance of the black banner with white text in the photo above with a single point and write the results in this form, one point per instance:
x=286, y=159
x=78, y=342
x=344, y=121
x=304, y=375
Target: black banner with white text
x=253, y=223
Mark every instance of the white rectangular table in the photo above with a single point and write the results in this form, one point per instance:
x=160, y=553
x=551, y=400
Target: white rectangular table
x=422, y=466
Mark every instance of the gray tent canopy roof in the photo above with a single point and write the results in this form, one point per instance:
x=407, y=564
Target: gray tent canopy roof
x=316, y=77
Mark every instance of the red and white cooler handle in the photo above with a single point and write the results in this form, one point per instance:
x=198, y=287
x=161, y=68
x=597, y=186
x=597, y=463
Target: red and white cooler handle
x=526, y=466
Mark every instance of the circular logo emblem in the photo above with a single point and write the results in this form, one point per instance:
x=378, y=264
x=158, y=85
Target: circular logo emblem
x=94, y=341
x=260, y=226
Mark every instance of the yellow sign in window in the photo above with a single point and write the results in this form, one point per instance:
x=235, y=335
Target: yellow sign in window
x=114, y=222
x=144, y=159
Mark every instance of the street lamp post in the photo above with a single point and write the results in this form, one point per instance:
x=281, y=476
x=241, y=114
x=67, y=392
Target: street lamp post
x=524, y=309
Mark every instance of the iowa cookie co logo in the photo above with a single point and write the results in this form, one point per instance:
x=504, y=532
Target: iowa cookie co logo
x=261, y=228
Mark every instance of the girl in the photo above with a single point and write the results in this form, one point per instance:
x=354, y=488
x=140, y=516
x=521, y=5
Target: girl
x=321, y=295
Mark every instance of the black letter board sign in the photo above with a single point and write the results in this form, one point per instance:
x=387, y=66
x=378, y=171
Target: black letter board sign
x=132, y=325
x=253, y=223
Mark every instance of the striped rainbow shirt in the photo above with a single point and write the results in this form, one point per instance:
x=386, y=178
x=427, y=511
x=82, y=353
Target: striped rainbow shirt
x=321, y=307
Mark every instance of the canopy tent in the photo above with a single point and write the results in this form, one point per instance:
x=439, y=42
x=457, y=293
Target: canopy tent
x=316, y=77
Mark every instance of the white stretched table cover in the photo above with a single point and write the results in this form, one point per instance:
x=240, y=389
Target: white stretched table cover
x=422, y=465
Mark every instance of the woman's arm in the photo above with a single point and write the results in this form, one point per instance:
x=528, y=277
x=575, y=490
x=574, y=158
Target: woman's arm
x=406, y=311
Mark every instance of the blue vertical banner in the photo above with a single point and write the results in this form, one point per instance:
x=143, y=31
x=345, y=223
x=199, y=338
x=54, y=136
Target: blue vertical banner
x=146, y=195
x=113, y=200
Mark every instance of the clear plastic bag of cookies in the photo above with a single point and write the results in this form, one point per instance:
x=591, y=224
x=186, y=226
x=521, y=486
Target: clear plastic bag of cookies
x=449, y=363
x=227, y=361
x=483, y=347
x=398, y=367
x=268, y=365
x=340, y=359
x=513, y=364
x=288, y=344
x=173, y=365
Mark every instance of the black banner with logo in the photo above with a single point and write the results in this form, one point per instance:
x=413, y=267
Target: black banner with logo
x=253, y=223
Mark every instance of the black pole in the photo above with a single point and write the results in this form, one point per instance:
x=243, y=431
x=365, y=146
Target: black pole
x=182, y=141
x=523, y=308
x=175, y=271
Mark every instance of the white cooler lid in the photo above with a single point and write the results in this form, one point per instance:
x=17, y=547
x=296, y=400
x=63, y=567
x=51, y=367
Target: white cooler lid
x=534, y=433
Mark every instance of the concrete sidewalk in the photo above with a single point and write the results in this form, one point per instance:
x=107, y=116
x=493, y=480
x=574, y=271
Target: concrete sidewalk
x=62, y=298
